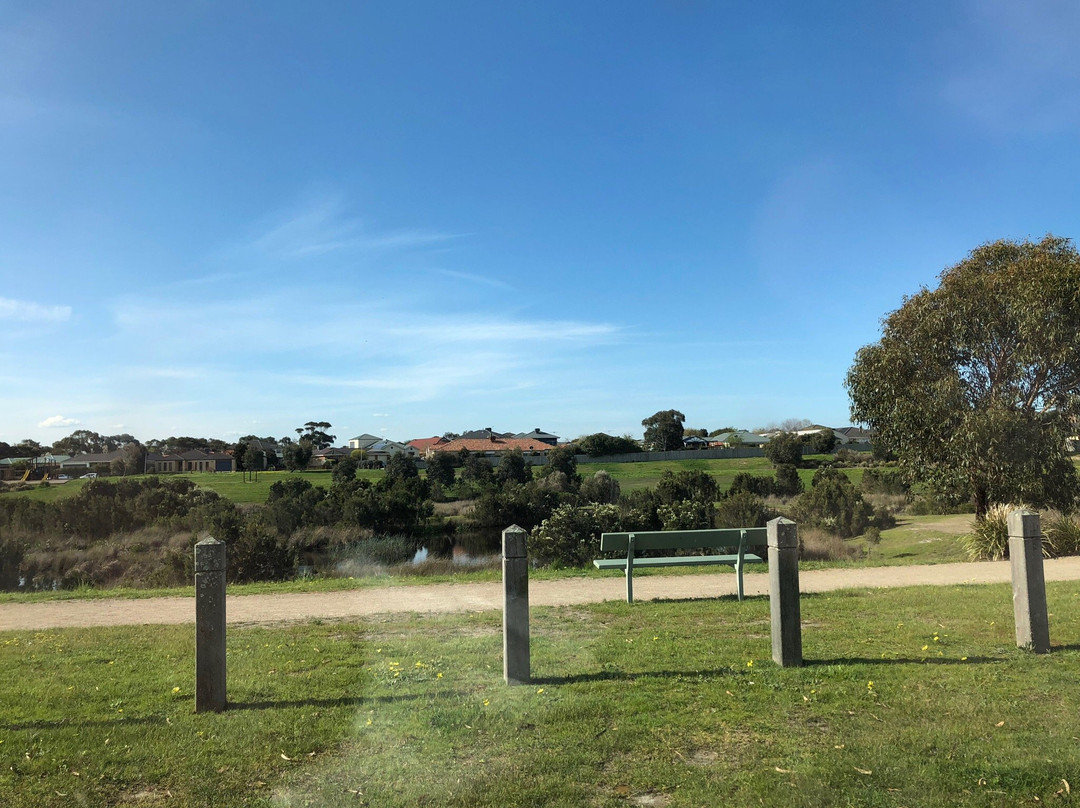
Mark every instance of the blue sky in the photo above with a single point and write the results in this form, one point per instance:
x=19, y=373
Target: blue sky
x=223, y=218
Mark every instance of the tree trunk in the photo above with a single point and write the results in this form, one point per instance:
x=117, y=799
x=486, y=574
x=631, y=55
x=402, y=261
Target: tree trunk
x=981, y=498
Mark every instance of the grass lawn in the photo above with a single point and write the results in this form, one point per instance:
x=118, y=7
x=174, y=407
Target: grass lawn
x=630, y=476
x=912, y=697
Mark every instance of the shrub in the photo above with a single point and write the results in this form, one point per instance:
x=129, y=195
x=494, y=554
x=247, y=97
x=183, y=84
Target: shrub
x=883, y=481
x=686, y=514
x=1062, y=536
x=570, y=537
x=745, y=482
x=684, y=485
x=989, y=537
x=601, y=488
x=742, y=509
x=788, y=481
x=833, y=504
x=784, y=449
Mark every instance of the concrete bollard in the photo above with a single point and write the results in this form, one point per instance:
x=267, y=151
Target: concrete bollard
x=210, y=626
x=784, y=593
x=1028, y=583
x=515, y=569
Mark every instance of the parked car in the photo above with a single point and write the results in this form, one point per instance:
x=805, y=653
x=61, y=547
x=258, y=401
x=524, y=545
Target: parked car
x=91, y=476
x=62, y=477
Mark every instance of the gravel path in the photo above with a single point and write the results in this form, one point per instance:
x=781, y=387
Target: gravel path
x=442, y=598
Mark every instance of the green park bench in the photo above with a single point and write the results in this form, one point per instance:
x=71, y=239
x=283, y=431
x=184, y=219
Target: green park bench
x=732, y=546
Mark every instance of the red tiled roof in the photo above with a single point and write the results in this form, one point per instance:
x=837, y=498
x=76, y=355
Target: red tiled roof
x=496, y=445
x=422, y=444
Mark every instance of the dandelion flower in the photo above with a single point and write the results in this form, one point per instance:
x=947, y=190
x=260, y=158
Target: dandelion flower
x=541, y=690
x=750, y=663
x=176, y=690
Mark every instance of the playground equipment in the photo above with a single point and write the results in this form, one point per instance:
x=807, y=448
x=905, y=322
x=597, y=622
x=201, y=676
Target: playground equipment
x=26, y=475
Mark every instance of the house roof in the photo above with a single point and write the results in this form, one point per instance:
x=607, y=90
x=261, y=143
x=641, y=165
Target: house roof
x=492, y=445
x=484, y=434
x=106, y=457
x=423, y=444
x=749, y=438
x=854, y=432
x=538, y=435
x=332, y=451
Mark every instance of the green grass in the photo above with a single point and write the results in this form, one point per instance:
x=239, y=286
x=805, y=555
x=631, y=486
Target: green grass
x=911, y=697
x=630, y=476
x=230, y=485
x=923, y=540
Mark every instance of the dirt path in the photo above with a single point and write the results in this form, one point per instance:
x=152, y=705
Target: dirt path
x=442, y=598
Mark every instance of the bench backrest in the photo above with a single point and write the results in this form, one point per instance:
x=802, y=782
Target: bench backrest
x=684, y=539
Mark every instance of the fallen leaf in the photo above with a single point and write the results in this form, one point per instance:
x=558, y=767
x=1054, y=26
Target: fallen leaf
x=999, y=724
x=782, y=771
x=1065, y=783
x=285, y=757
x=862, y=771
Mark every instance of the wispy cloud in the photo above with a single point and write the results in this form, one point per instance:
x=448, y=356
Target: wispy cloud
x=25, y=311
x=323, y=226
x=471, y=278
x=58, y=422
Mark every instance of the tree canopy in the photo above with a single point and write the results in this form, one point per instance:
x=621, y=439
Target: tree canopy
x=975, y=385
x=664, y=431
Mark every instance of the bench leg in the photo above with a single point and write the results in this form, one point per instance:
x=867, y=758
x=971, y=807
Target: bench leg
x=629, y=583
x=738, y=580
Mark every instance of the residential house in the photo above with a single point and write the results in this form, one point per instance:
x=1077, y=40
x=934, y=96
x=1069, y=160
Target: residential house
x=192, y=460
x=543, y=437
x=364, y=441
x=423, y=444
x=490, y=446
x=738, y=438
x=329, y=456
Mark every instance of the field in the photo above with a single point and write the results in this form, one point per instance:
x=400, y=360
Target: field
x=911, y=697
x=630, y=476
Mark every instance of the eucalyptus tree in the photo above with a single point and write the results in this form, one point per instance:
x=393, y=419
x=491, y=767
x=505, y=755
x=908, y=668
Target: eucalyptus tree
x=975, y=385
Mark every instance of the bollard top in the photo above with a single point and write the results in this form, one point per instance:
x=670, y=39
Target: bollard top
x=210, y=555
x=513, y=542
x=1024, y=524
x=782, y=533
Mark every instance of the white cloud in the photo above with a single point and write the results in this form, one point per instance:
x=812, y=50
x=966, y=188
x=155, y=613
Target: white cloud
x=25, y=311
x=471, y=278
x=58, y=422
x=322, y=227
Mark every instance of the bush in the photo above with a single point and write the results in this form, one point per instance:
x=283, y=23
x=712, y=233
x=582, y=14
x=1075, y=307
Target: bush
x=686, y=485
x=989, y=538
x=833, y=504
x=742, y=509
x=601, y=488
x=686, y=514
x=884, y=481
x=784, y=449
x=570, y=537
x=1062, y=536
x=747, y=483
x=788, y=481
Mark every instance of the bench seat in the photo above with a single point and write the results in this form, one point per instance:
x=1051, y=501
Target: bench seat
x=749, y=545
x=677, y=561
